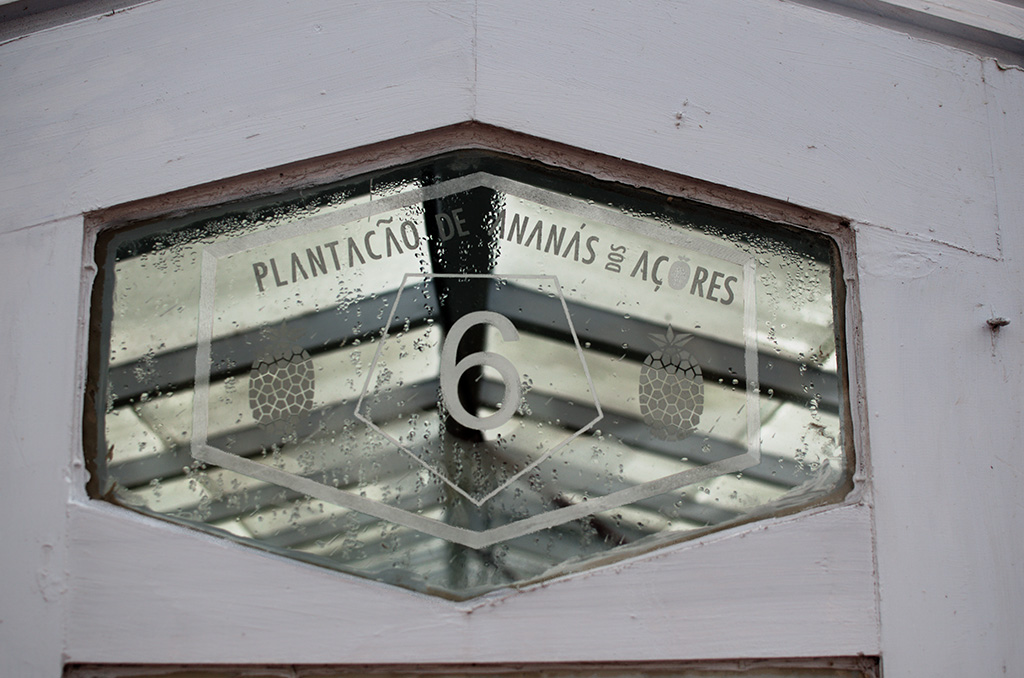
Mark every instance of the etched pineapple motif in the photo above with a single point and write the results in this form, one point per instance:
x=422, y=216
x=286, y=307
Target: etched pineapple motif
x=281, y=382
x=671, y=388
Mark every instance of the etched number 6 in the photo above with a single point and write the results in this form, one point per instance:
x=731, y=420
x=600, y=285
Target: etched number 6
x=451, y=371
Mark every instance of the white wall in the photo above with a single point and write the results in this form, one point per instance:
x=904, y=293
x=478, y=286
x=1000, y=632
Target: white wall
x=920, y=144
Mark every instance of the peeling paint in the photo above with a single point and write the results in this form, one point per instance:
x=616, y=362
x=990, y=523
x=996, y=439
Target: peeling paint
x=51, y=584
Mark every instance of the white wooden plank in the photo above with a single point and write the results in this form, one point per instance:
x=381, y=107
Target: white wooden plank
x=39, y=272
x=24, y=17
x=775, y=98
x=988, y=15
x=171, y=94
x=948, y=486
x=948, y=469
x=793, y=587
x=945, y=394
x=989, y=27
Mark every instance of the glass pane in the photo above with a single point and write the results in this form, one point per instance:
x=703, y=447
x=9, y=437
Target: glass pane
x=468, y=373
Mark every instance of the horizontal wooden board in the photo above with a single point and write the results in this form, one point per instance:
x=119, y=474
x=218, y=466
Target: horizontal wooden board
x=778, y=99
x=799, y=586
x=168, y=95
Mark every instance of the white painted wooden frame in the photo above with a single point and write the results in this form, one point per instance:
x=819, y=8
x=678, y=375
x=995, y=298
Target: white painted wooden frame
x=916, y=144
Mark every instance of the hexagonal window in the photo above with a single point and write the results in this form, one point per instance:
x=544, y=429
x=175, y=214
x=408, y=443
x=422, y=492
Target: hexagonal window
x=466, y=373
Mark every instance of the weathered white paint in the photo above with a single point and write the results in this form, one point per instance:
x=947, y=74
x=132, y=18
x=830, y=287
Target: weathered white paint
x=948, y=469
x=789, y=587
x=37, y=439
x=789, y=102
x=994, y=15
x=116, y=108
x=997, y=17
x=989, y=25
x=918, y=143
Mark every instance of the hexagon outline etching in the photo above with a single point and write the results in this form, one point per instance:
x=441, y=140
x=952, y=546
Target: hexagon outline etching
x=363, y=417
x=204, y=452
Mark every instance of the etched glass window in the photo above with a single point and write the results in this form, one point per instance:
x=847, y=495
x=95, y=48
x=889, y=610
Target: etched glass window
x=467, y=373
